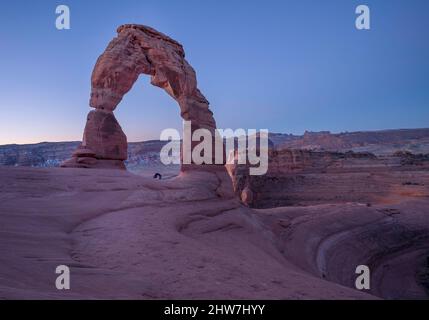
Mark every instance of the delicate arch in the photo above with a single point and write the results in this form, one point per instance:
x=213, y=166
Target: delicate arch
x=136, y=50
x=139, y=50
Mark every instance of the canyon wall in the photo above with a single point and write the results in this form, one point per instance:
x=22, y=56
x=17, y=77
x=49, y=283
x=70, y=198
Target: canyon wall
x=304, y=177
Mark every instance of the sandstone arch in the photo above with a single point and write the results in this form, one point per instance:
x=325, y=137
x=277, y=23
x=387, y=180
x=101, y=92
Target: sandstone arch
x=136, y=50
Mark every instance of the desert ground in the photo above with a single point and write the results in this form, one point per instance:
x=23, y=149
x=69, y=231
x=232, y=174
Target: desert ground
x=127, y=235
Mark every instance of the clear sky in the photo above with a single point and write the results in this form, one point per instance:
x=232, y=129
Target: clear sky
x=287, y=65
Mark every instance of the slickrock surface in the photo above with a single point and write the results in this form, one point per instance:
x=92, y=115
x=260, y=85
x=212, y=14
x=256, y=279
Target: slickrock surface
x=125, y=236
x=391, y=239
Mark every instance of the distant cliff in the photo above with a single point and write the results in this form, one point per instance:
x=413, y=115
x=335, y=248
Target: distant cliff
x=45, y=154
x=377, y=142
x=51, y=154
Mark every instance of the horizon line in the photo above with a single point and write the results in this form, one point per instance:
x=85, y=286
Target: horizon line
x=297, y=135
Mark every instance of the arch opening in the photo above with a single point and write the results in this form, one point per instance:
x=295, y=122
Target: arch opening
x=146, y=110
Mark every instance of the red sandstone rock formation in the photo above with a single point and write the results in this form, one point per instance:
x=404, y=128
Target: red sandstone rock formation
x=136, y=50
x=297, y=177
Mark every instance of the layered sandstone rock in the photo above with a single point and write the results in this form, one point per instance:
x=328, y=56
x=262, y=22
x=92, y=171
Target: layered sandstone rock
x=304, y=177
x=104, y=136
x=137, y=50
x=104, y=144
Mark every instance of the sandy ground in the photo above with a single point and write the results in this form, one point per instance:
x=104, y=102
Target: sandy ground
x=130, y=236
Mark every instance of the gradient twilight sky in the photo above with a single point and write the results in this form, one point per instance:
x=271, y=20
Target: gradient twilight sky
x=287, y=65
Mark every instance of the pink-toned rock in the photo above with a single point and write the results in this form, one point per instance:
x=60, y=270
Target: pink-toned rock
x=89, y=162
x=104, y=143
x=104, y=136
x=84, y=152
x=138, y=50
x=247, y=196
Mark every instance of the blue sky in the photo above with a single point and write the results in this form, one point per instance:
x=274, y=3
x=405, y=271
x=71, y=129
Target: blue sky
x=288, y=66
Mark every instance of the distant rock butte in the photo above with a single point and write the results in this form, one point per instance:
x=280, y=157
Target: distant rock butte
x=377, y=142
x=136, y=50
